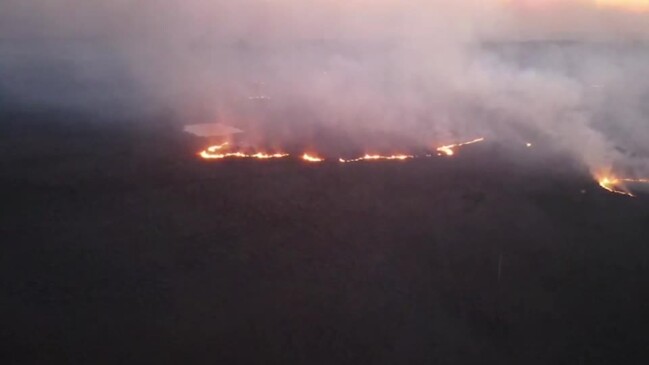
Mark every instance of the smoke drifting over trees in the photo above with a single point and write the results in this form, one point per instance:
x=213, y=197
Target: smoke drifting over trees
x=567, y=72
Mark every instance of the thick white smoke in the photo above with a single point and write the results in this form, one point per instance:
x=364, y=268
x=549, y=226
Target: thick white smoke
x=430, y=71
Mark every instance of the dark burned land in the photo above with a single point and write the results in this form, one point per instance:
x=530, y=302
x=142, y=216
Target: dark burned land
x=119, y=246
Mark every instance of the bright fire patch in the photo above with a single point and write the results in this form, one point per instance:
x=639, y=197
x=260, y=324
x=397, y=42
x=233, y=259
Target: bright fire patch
x=377, y=157
x=220, y=152
x=215, y=153
x=614, y=185
x=618, y=185
x=449, y=150
x=309, y=158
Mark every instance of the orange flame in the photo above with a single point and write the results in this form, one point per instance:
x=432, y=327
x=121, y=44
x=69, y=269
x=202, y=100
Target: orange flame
x=448, y=150
x=377, y=157
x=213, y=149
x=310, y=158
x=615, y=185
x=214, y=153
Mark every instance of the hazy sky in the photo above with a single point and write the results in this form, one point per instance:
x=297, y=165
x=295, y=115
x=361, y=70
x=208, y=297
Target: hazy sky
x=320, y=18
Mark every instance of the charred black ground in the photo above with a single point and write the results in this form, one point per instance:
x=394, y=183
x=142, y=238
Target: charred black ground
x=120, y=246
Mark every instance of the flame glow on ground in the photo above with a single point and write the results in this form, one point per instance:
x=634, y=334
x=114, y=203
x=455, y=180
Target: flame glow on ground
x=218, y=152
x=613, y=185
x=377, y=157
x=617, y=185
x=309, y=158
x=449, y=150
x=214, y=153
x=258, y=155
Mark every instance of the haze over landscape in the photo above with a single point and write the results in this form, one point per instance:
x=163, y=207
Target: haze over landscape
x=569, y=71
x=381, y=244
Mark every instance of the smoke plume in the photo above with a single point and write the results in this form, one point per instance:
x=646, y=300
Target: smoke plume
x=572, y=73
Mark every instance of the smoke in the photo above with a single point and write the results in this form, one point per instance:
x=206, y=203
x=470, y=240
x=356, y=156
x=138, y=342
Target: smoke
x=570, y=72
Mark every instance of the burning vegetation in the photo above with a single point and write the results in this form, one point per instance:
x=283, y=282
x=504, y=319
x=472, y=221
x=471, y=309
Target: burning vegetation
x=223, y=151
x=614, y=185
x=310, y=158
x=216, y=153
x=619, y=185
x=449, y=150
x=368, y=157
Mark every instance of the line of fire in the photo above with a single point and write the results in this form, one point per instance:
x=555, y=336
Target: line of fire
x=225, y=150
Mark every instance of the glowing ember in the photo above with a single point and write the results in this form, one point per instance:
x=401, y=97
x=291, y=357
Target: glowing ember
x=377, y=157
x=214, y=153
x=448, y=150
x=219, y=152
x=309, y=158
